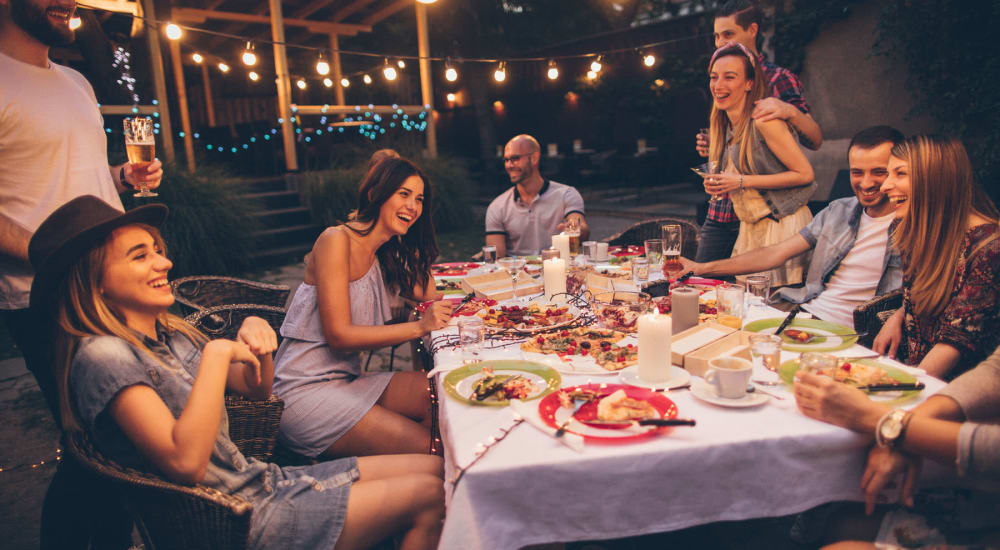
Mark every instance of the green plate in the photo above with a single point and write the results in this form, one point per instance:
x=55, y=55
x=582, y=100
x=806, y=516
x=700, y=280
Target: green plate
x=458, y=383
x=826, y=332
x=788, y=369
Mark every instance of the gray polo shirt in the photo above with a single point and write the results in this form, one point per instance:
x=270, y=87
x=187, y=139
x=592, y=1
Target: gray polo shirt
x=529, y=228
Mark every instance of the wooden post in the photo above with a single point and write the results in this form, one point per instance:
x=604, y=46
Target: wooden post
x=209, y=106
x=284, y=85
x=338, y=90
x=426, y=92
x=159, y=81
x=182, y=103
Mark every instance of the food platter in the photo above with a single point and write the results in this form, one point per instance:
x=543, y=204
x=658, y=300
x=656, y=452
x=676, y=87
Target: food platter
x=458, y=384
x=554, y=414
x=529, y=318
x=827, y=334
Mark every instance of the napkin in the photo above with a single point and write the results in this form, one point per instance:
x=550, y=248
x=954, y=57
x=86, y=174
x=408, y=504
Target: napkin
x=529, y=412
x=446, y=360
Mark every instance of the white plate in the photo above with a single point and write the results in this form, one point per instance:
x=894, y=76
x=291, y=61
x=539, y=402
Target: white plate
x=706, y=392
x=678, y=377
x=578, y=365
x=464, y=386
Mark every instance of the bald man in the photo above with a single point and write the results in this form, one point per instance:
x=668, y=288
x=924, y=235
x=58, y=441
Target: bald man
x=522, y=220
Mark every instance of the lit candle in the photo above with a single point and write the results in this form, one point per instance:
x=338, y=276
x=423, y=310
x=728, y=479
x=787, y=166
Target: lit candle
x=554, y=275
x=684, y=307
x=561, y=243
x=654, y=347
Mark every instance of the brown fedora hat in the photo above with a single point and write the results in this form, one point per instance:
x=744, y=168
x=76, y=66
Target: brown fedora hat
x=70, y=232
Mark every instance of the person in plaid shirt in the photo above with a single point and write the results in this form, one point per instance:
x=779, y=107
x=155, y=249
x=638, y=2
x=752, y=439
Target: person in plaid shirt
x=739, y=21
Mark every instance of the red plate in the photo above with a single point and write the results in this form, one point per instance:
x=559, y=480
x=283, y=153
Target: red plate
x=422, y=307
x=554, y=415
x=630, y=250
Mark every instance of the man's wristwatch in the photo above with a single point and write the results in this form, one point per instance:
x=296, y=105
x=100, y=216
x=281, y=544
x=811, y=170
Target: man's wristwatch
x=891, y=428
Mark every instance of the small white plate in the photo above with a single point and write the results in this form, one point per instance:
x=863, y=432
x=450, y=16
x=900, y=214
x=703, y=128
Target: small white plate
x=706, y=392
x=678, y=377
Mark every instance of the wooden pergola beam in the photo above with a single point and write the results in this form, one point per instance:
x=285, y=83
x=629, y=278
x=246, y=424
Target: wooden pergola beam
x=350, y=9
x=195, y=15
x=351, y=110
x=311, y=8
x=117, y=6
x=381, y=14
x=129, y=110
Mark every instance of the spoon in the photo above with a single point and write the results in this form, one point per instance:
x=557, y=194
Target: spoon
x=751, y=388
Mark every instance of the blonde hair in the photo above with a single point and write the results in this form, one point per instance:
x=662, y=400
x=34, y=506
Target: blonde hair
x=943, y=197
x=744, y=131
x=82, y=311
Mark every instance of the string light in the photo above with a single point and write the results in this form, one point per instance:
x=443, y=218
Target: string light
x=197, y=58
x=451, y=97
x=345, y=82
x=34, y=465
x=649, y=60
x=121, y=61
x=223, y=67
x=74, y=23
x=450, y=74
x=173, y=32
x=254, y=76
x=301, y=83
x=553, y=72
x=596, y=66
x=401, y=64
x=367, y=79
x=327, y=82
x=388, y=71
x=249, y=58
x=501, y=73
x=591, y=75
x=322, y=67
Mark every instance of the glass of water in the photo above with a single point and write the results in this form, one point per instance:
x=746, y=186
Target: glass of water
x=490, y=255
x=471, y=331
x=765, y=349
x=758, y=291
x=654, y=252
x=640, y=269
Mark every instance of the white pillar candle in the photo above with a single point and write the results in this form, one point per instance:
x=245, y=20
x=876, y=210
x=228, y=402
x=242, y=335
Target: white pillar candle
x=561, y=243
x=554, y=275
x=654, y=347
x=684, y=307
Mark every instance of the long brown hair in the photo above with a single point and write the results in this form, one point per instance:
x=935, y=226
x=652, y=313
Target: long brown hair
x=405, y=260
x=942, y=198
x=744, y=130
x=81, y=311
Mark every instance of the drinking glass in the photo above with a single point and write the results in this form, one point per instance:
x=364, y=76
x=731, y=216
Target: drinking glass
x=513, y=266
x=812, y=361
x=471, y=332
x=490, y=254
x=672, y=242
x=706, y=170
x=640, y=269
x=550, y=253
x=765, y=349
x=140, y=148
x=590, y=250
x=729, y=304
x=572, y=229
x=758, y=290
x=654, y=252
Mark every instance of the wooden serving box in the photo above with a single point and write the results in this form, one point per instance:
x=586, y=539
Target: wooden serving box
x=497, y=285
x=735, y=344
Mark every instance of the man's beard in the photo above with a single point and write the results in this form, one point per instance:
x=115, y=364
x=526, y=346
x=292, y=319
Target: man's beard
x=34, y=21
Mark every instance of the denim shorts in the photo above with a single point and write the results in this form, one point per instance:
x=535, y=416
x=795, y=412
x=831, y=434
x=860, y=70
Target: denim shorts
x=305, y=506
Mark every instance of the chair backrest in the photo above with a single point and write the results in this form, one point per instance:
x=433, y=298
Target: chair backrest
x=871, y=315
x=253, y=425
x=224, y=321
x=203, y=291
x=651, y=229
x=170, y=516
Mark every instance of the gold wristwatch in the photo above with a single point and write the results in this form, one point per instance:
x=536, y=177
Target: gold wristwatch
x=892, y=428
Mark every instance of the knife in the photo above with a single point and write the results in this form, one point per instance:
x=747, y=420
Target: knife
x=683, y=278
x=893, y=387
x=788, y=320
x=642, y=422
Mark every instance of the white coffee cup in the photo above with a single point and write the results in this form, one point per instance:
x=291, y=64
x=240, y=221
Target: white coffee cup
x=730, y=376
x=602, y=252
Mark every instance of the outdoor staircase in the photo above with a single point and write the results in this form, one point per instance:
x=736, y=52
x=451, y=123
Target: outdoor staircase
x=287, y=231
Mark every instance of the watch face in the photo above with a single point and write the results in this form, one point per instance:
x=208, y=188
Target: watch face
x=892, y=426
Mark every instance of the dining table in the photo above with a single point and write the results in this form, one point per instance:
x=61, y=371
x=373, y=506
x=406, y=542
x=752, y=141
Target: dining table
x=511, y=483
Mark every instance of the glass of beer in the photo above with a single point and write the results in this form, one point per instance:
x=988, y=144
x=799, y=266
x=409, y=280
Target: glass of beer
x=672, y=250
x=729, y=304
x=573, y=230
x=140, y=148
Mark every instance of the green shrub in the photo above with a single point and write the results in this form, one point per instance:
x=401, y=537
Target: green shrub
x=209, y=230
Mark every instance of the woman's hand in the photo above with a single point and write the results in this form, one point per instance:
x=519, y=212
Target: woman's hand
x=237, y=352
x=883, y=467
x=888, y=339
x=720, y=184
x=436, y=316
x=823, y=398
x=258, y=335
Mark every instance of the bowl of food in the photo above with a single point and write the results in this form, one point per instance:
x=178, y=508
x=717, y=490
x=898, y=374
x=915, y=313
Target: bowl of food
x=619, y=309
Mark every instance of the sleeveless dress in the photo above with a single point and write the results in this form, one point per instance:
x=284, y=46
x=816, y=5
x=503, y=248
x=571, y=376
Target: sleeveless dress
x=324, y=390
x=759, y=226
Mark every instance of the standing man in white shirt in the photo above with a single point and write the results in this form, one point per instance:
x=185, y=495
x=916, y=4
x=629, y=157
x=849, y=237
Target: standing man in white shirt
x=53, y=148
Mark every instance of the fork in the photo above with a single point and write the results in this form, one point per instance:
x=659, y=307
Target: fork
x=577, y=403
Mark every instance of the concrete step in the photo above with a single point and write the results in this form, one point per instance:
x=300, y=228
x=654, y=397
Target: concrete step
x=283, y=254
x=270, y=200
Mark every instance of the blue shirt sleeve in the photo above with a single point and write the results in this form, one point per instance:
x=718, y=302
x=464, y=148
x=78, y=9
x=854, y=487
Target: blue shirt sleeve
x=102, y=367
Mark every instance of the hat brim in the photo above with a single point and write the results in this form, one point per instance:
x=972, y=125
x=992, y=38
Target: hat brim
x=53, y=271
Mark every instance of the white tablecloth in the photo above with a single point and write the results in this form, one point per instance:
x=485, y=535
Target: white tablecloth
x=735, y=464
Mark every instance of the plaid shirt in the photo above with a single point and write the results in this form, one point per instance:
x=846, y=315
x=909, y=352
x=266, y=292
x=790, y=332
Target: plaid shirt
x=784, y=86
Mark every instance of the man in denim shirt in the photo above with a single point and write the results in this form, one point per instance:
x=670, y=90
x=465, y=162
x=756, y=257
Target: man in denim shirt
x=852, y=260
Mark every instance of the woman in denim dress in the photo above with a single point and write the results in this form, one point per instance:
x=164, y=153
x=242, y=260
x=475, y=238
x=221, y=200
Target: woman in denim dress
x=148, y=389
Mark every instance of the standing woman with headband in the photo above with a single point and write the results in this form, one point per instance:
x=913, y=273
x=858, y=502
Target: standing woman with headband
x=762, y=167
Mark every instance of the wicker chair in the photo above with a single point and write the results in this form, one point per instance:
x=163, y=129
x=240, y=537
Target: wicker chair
x=204, y=291
x=651, y=229
x=871, y=315
x=224, y=321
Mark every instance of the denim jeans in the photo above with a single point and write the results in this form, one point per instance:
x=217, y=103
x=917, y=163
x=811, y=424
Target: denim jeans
x=716, y=240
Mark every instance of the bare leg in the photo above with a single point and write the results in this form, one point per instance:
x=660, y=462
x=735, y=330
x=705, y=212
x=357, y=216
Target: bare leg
x=850, y=545
x=408, y=395
x=395, y=493
x=381, y=432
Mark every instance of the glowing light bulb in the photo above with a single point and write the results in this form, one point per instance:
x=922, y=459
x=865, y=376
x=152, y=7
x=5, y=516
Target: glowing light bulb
x=451, y=97
x=345, y=82
x=450, y=74
x=389, y=72
x=596, y=66
x=401, y=64
x=301, y=83
x=249, y=58
x=254, y=76
x=500, y=74
x=649, y=60
x=173, y=31
x=322, y=67
x=75, y=23
x=591, y=75
x=223, y=67
x=553, y=72
x=197, y=58
x=367, y=79
x=327, y=82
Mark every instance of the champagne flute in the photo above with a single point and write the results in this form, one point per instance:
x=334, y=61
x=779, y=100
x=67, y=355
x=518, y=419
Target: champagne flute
x=140, y=148
x=513, y=266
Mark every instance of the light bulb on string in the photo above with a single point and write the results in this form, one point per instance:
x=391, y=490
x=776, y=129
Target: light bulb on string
x=223, y=67
x=301, y=83
x=367, y=79
x=501, y=73
x=553, y=72
x=75, y=23
x=591, y=75
x=401, y=64
x=173, y=32
x=322, y=67
x=254, y=76
x=649, y=60
x=197, y=57
x=595, y=66
x=345, y=82
x=249, y=57
x=451, y=97
x=327, y=82
x=388, y=71
x=450, y=74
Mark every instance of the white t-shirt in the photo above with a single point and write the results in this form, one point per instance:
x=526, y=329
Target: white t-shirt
x=856, y=278
x=53, y=148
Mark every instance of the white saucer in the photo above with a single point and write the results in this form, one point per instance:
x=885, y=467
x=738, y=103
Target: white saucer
x=706, y=392
x=678, y=377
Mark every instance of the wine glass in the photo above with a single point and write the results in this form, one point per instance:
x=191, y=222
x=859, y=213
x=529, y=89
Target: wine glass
x=140, y=148
x=513, y=266
x=706, y=170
